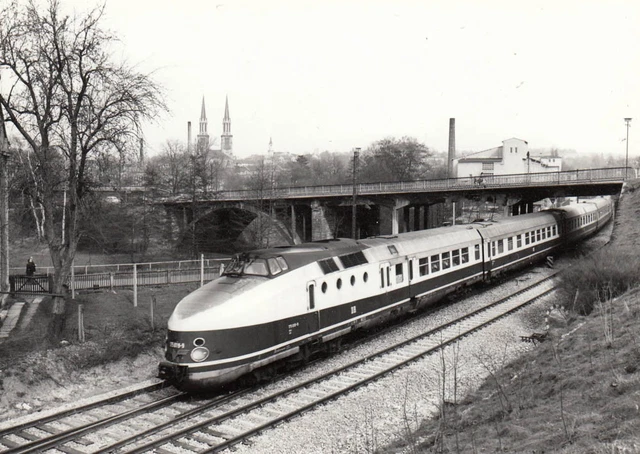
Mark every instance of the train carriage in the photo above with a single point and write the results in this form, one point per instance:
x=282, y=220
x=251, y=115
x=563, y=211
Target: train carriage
x=280, y=305
x=519, y=241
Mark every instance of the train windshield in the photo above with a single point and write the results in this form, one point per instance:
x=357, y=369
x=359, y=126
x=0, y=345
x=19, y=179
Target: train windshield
x=247, y=266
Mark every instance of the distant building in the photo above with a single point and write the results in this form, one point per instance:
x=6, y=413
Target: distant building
x=227, y=137
x=204, y=142
x=512, y=157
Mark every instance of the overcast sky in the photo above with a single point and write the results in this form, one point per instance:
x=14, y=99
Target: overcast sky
x=334, y=75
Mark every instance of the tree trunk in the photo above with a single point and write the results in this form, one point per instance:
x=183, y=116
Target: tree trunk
x=58, y=320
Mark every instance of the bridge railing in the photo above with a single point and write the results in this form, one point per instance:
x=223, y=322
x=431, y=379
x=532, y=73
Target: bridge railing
x=527, y=179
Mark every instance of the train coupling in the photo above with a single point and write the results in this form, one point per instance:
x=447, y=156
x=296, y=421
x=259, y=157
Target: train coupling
x=171, y=372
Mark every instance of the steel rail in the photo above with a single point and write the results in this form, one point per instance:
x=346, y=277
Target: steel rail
x=274, y=396
x=70, y=434
x=81, y=408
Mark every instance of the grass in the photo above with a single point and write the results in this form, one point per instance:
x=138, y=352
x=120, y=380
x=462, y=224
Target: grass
x=113, y=329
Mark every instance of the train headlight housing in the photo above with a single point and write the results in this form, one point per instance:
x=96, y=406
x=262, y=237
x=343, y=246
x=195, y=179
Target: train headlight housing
x=199, y=354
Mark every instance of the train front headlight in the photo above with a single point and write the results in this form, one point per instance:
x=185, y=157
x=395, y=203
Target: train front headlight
x=199, y=354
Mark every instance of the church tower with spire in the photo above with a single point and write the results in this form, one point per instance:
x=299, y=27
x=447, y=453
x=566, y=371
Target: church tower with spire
x=226, y=138
x=203, y=135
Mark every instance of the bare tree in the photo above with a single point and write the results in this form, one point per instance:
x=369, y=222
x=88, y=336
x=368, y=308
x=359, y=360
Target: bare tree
x=68, y=99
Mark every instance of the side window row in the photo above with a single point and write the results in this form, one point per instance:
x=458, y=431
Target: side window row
x=534, y=236
x=445, y=260
x=582, y=220
x=324, y=287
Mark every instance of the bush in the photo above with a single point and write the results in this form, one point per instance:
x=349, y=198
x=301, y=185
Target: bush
x=601, y=276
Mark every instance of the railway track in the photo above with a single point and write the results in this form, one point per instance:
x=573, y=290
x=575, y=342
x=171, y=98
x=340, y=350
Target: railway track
x=165, y=421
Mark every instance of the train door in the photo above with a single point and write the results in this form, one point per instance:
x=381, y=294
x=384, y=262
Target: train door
x=313, y=315
x=410, y=274
x=385, y=277
x=485, y=255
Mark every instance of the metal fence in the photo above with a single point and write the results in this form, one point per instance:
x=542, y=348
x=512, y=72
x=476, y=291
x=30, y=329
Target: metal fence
x=125, y=275
x=128, y=267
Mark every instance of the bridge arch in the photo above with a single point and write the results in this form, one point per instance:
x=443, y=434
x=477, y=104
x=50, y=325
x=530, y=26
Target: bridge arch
x=227, y=228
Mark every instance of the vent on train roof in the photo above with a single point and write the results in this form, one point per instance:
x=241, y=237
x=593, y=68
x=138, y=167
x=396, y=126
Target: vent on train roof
x=328, y=265
x=355, y=259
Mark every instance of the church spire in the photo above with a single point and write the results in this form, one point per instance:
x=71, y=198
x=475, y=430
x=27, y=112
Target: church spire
x=227, y=137
x=203, y=135
x=203, y=119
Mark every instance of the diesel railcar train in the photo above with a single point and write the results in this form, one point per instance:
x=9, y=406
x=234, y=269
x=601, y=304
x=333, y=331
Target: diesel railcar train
x=280, y=305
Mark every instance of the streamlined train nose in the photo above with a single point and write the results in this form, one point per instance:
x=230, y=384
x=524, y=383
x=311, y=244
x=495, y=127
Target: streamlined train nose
x=202, y=305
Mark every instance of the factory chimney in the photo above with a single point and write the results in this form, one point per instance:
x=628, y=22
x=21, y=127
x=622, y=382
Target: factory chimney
x=452, y=147
x=188, y=137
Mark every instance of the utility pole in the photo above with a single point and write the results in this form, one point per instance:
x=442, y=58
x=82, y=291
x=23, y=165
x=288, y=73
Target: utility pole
x=4, y=208
x=356, y=153
x=626, y=162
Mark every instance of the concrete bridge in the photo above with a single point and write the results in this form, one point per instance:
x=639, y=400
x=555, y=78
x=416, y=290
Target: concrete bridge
x=293, y=214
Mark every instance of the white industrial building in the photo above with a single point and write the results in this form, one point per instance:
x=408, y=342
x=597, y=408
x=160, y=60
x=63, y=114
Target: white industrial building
x=510, y=158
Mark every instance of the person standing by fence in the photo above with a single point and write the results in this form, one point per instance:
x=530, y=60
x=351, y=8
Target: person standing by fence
x=31, y=267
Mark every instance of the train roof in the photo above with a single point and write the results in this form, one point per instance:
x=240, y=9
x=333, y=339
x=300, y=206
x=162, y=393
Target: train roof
x=298, y=255
x=388, y=247
x=516, y=224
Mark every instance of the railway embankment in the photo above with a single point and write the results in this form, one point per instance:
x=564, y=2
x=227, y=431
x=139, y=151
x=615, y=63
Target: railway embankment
x=577, y=392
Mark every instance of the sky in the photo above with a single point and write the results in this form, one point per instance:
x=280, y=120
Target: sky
x=336, y=75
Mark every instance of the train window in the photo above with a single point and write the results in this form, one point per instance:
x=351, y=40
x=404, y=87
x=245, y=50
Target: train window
x=544, y=234
x=328, y=265
x=526, y=238
x=538, y=235
x=283, y=263
x=477, y=251
x=510, y=243
x=435, y=263
x=353, y=280
x=399, y=275
x=245, y=265
x=339, y=284
x=381, y=278
x=455, y=258
x=519, y=241
x=355, y=259
x=500, y=246
x=423, y=266
x=554, y=230
x=465, y=254
x=410, y=265
x=388, y=278
x=365, y=276
x=324, y=287
x=257, y=267
x=493, y=248
x=274, y=267
x=445, y=260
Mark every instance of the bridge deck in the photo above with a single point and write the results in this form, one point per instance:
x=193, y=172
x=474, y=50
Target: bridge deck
x=575, y=178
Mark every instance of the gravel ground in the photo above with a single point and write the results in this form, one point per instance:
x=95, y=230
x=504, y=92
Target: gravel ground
x=375, y=415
